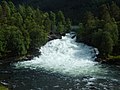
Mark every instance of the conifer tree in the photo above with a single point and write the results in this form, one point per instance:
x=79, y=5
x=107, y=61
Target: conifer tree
x=61, y=18
x=47, y=25
x=22, y=11
x=81, y=32
x=115, y=11
x=60, y=28
x=68, y=25
x=89, y=22
x=104, y=13
x=113, y=30
x=1, y=12
x=12, y=7
x=106, y=45
x=5, y=9
x=53, y=21
x=2, y=42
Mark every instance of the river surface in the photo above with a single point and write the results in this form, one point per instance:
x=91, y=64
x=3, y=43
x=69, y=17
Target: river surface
x=63, y=65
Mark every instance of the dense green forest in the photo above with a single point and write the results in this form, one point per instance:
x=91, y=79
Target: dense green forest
x=24, y=29
x=102, y=30
x=73, y=9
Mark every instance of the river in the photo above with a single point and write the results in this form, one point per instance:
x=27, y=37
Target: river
x=63, y=65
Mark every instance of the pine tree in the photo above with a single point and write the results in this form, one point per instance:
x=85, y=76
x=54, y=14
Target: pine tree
x=96, y=38
x=90, y=26
x=53, y=21
x=22, y=11
x=12, y=7
x=47, y=25
x=68, y=25
x=81, y=32
x=1, y=12
x=89, y=22
x=2, y=42
x=6, y=9
x=39, y=17
x=106, y=45
x=60, y=28
x=29, y=11
x=104, y=13
x=61, y=18
x=15, y=41
x=113, y=30
x=38, y=37
x=115, y=11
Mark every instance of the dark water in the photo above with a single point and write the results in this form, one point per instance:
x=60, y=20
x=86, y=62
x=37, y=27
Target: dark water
x=26, y=79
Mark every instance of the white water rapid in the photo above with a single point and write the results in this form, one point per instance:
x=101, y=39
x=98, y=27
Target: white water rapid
x=64, y=56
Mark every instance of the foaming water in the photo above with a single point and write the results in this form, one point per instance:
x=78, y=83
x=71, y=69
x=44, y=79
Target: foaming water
x=65, y=56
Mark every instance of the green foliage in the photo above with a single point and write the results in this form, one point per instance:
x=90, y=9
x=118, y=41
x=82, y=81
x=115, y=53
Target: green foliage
x=47, y=25
x=14, y=38
x=61, y=18
x=5, y=9
x=114, y=57
x=113, y=29
x=2, y=42
x=115, y=11
x=68, y=25
x=60, y=28
x=89, y=21
x=73, y=9
x=22, y=11
x=81, y=32
x=12, y=7
x=103, y=31
x=106, y=45
x=62, y=24
x=37, y=37
x=0, y=10
x=24, y=28
x=104, y=13
x=53, y=21
x=3, y=87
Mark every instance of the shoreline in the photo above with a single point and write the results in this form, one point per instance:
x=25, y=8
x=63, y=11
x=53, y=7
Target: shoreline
x=29, y=56
x=109, y=61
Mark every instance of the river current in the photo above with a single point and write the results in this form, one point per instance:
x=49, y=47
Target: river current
x=63, y=65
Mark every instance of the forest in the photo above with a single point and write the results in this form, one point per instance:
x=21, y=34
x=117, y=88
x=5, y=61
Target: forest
x=102, y=30
x=24, y=29
x=74, y=9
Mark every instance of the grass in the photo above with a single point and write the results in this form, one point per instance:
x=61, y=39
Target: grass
x=113, y=60
x=115, y=57
x=3, y=87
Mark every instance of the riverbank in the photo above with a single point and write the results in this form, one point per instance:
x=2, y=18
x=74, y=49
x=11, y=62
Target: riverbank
x=29, y=56
x=111, y=60
x=3, y=87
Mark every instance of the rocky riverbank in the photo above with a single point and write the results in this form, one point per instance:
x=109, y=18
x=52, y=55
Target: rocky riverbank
x=112, y=60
